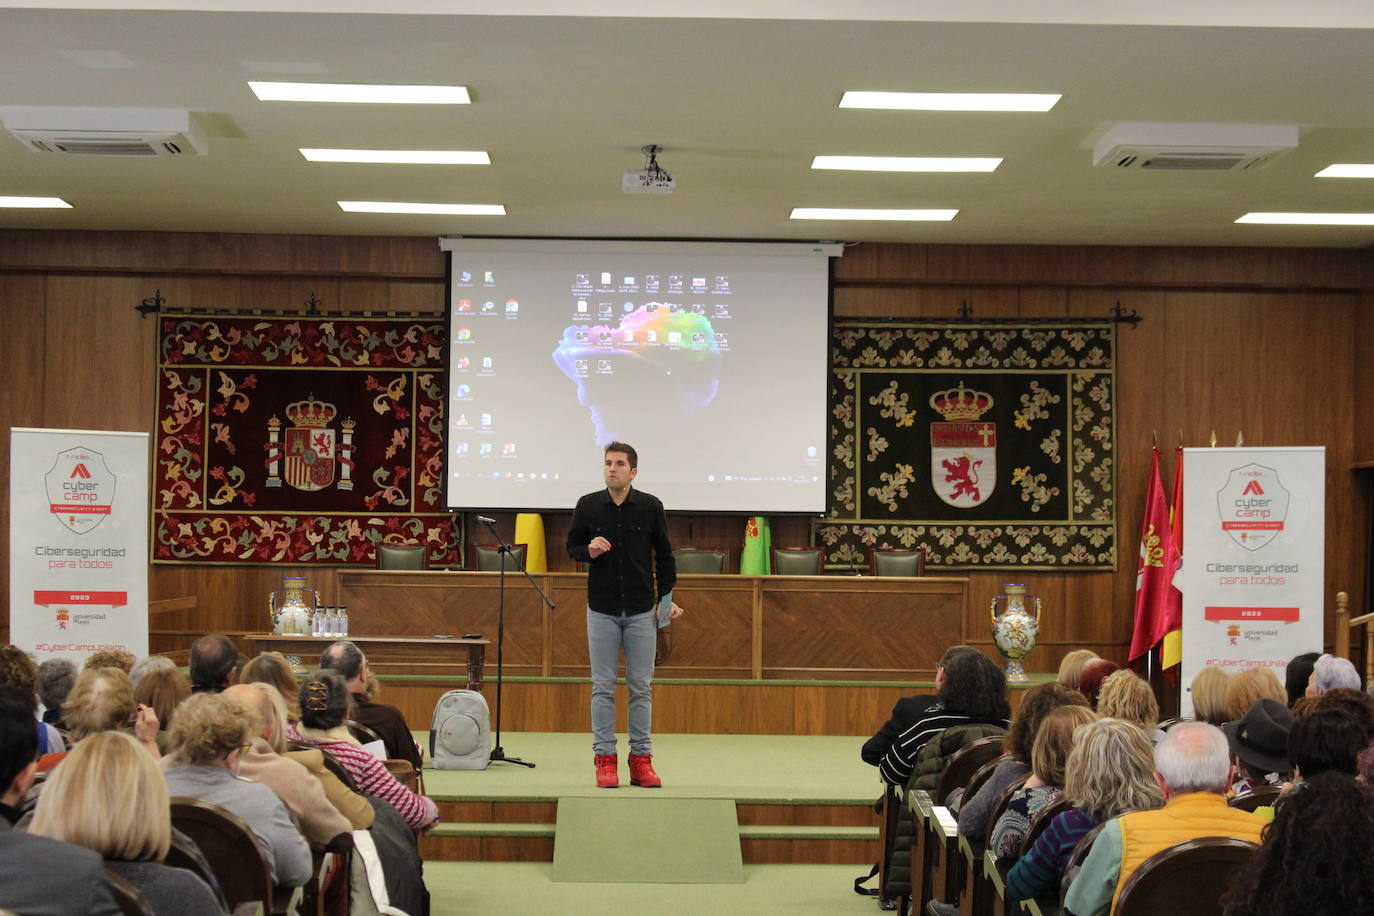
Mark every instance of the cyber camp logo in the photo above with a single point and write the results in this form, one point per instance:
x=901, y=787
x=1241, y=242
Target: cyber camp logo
x=80, y=489
x=1253, y=505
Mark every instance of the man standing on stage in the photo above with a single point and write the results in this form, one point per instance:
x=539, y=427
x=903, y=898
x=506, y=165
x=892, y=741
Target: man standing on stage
x=622, y=536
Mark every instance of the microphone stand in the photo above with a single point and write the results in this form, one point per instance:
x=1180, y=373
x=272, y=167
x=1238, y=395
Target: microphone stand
x=498, y=753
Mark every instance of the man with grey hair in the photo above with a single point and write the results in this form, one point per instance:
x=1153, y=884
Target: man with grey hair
x=350, y=662
x=1193, y=769
x=56, y=677
x=1331, y=672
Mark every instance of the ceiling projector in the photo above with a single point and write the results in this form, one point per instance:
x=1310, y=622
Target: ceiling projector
x=651, y=179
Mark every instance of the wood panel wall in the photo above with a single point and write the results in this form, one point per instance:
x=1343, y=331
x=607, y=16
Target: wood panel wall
x=1264, y=341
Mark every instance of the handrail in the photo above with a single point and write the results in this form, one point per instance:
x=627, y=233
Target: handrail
x=1345, y=623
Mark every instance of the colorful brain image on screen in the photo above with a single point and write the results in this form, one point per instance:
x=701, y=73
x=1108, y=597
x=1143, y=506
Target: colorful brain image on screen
x=659, y=357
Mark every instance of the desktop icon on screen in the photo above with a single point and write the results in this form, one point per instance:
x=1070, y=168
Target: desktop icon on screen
x=464, y=305
x=512, y=305
x=464, y=333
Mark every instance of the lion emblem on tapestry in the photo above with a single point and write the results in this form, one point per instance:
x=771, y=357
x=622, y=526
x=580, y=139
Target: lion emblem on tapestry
x=299, y=440
x=989, y=445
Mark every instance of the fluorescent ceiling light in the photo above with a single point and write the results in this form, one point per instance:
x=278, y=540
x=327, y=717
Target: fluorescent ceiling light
x=851, y=213
x=386, y=206
x=34, y=203
x=407, y=156
x=1347, y=170
x=360, y=92
x=951, y=101
x=1309, y=219
x=906, y=163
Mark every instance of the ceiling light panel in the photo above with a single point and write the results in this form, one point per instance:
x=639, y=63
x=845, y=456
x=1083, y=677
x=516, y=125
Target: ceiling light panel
x=951, y=101
x=362, y=93
x=1309, y=219
x=906, y=163
x=387, y=206
x=1347, y=170
x=34, y=203
x=401, y=156
x=860, y=214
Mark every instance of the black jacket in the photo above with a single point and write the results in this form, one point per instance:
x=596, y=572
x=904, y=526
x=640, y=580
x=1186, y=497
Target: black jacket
x=621, y=580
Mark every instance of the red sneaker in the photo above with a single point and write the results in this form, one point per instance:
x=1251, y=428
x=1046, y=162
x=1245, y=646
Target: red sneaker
x=606, y=767
x=642, y=772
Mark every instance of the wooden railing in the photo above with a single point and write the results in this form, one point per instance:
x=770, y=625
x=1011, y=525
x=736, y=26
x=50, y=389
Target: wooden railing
x=1345, y=624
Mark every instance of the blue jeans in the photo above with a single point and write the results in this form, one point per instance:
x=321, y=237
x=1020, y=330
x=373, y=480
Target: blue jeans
x=637, y=634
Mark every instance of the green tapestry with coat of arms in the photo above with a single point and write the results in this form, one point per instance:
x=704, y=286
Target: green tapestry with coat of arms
x=992, y=446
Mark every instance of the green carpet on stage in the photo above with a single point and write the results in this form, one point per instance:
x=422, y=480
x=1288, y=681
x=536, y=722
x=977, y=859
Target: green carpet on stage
x=640, y=840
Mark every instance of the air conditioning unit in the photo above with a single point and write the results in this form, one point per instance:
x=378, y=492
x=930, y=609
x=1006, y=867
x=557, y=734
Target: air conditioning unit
x=1193, y=147
x=106, y=131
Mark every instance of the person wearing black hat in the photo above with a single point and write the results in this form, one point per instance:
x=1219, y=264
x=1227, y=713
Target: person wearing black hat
x=1259, y=743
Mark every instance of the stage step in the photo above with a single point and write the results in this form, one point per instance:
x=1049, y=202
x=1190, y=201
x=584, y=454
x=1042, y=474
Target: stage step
x=761, y=844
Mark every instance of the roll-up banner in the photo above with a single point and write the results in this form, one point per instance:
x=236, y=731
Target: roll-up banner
x=78, y=542
x=1253, y=558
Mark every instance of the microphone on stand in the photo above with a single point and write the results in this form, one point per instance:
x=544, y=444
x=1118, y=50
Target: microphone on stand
x=486, y=521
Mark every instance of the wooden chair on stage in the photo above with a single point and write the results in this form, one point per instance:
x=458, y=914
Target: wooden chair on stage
x=402, y=556
x=797, y=561
x=488, y=557
x=1186, y=879
x=709, y=561
x=885, y=561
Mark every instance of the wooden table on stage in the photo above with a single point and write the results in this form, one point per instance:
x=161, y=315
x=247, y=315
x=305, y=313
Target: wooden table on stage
x=752, y=627
x=392, y=652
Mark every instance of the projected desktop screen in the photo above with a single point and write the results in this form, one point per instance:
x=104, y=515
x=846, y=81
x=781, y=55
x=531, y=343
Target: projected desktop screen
x=709, y=358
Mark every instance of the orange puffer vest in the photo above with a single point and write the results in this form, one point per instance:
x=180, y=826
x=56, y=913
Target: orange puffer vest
x=1183, y=817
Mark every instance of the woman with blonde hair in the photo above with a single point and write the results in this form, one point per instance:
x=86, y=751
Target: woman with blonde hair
x=273, y=668
x=1249, y=687
x=1109, y=772
x=1125, y=695
x=102, y=700
x=1049, y=757
x=208, y=737
x=1071, y=668
x=1209, y=690
x=109, y=796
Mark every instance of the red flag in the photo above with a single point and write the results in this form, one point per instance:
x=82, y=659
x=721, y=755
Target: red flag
x=1156, y=611
x=1171, y=650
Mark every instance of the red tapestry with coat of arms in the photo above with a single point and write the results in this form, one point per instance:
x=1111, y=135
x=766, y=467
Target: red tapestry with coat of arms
x=303, y=440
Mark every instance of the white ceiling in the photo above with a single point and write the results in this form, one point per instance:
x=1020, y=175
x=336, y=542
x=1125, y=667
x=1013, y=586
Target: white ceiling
x=564, y=103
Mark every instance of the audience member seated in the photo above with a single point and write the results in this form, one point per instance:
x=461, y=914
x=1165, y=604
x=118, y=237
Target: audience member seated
x=273, y=668
x=163, y=690
x=348, y=660
x=1298, y=674
x=1249, y=687
x=101, y=701
x=1071, y=667
x=1193, y=767
x=969, y=690
x=55, y=679
x=214, y=663
x=146, y=666
x=1110, y=772
x=1317, y=857
x=1046, y=782
x=1330, y=672
x=208, y=737
x=39, y=876
x=109, y=796
x=904, y=714
x=262, y=762
x=1328, y=739
x=325, y=706
x=1259, y=745
x=109, y=658
x=1036, y=704
x=1126, y=696
x=1356, y=702
x=1090, y=681
x=1209, y=689
x=17, y=669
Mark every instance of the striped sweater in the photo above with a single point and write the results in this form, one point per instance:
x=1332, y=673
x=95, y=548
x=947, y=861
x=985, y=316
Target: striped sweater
x=372, y=778
x=900, y=759
x=1040, y=871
